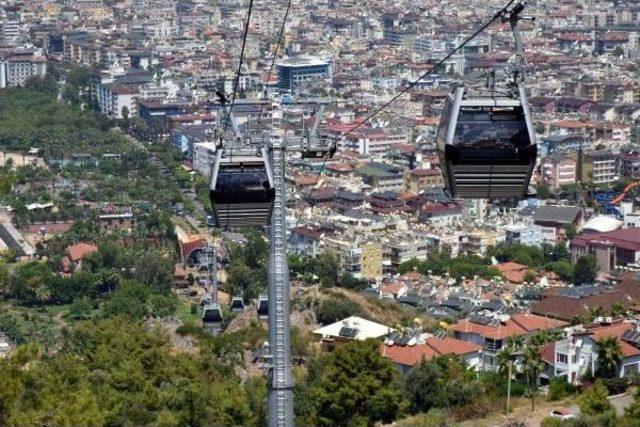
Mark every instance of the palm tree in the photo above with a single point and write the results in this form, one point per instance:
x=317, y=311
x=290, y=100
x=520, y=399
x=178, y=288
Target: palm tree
x=532, y=366
x=504, y=358
x=609, y=356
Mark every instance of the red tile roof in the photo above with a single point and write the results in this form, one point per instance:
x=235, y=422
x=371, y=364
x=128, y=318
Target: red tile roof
x=616, y=330
x=432, y=347
x=512, y=271
x=625, y=238
x=80, y=250
x=518, y=324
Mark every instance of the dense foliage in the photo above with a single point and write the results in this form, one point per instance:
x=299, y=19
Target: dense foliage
x=115, y=372
x=440, y=262
x=352, y=386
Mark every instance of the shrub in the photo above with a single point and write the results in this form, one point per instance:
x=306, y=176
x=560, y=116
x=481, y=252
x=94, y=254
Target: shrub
x=616, y=385
x=551, y=422
x=334, y=309
x=190, y=329
x=559, y=388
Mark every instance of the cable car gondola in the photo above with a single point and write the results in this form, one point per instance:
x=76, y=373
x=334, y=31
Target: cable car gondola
x=212, y=317
x=237, y=305
x=263, y=307
x=242, y=192
x=487, y=144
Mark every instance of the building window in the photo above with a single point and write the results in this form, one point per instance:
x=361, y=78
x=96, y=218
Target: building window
x=574, y=359
x=561, y=358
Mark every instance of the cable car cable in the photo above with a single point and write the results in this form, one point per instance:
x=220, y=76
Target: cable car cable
x=275, y=55
x=494, y=18
x=237, y=78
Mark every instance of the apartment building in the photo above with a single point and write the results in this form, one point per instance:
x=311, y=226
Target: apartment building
x=601, y=167
x=360, y=259
x=557, y=171
x=419, y=179
x=612, y=249
x=493, y=332
x=373, y=141
x=81, y=48
x=382, y=176
x=405, y=250
x=19, y=66
x=295, y=72
x=524, y=234
x=204, y=154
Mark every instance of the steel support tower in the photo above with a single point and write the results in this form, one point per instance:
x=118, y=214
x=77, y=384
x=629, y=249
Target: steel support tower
x=280, y=396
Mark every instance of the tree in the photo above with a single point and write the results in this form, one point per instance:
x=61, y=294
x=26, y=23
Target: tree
x=594, y=403
x=444, y=382
x=609, y=356
x=564, y=269
x=585, y=270
x=357, y=386
x=326, y=267
x=119, y=372
x=532, y=366
x=632, y=412
x=570, y=231
x=334, y=309
x=155, y=270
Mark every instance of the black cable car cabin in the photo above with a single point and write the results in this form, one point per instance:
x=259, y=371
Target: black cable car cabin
x=487, y=146
x=237, y=305
x=263, y=307
x=212, y=314
x=242, y=190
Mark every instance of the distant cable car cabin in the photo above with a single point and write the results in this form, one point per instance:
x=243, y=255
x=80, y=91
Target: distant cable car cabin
x=241, y=189
x=263, y=307
x=237, y=305
x=212, y=317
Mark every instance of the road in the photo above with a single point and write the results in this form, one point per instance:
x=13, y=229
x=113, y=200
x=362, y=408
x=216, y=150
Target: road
x=201, y=213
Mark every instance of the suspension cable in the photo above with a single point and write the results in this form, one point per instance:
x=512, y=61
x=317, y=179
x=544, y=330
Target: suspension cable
x=494, y=18
x=237, y=78
x=411, y=85
x=275, y=55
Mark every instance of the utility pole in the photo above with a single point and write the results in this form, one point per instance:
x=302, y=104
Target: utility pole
x=508, y=408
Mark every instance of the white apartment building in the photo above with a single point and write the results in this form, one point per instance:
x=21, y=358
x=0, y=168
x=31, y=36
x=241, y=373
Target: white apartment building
x=204, y=154
x=373, y=141
x=18, y=67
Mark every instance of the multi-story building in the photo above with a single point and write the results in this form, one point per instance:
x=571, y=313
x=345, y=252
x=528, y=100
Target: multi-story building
x=382, y=176
x=601, y=167
x=577, y=355
x=557, y=171
x=81, y=48
x=344, y=200
x=360, y=259
x=529, y=234
x=117, y=101
x=612, y=249
x=373, y=141
x=493, y=332
x=295, y=72
x=405, y=250
x=417, y=180
x=630, y=165
x=11, y=28
x=204, y=154
x=18, y=67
